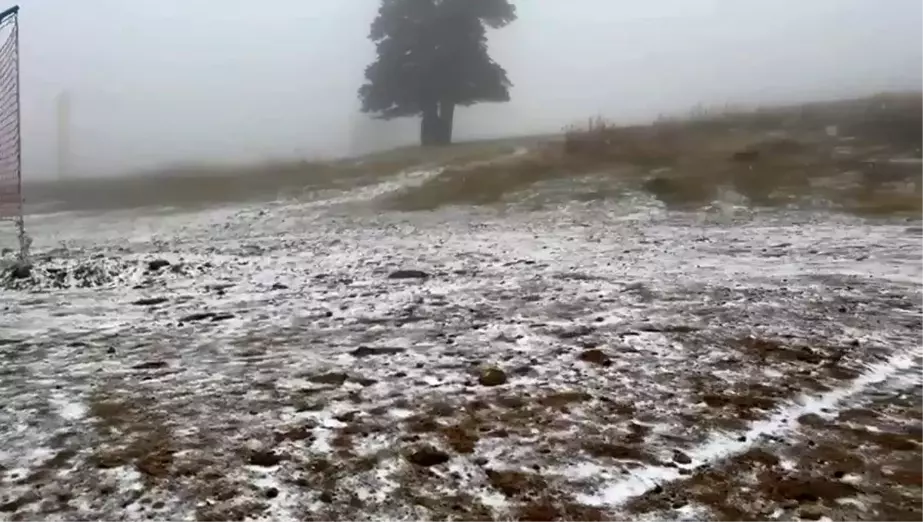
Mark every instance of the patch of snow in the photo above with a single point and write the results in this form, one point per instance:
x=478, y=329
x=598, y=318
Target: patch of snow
x=854, y=502
x=852, y=478
x=69, y=409
x=492, y=499
x=400, y=413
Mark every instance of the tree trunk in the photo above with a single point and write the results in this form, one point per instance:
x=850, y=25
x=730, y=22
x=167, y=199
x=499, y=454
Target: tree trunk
x=446, y=122
x=430, y=126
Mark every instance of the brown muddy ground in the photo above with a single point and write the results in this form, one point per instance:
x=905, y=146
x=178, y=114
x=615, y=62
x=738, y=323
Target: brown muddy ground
x=325, y=360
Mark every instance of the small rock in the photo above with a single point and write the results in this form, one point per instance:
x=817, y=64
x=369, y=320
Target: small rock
x=670, y=328
x=157, y=264
x=595, y=356
x=347, y=416
x=264, y=459
x=198, y=316
x=408, y=274
x=745, y=156
x=681, y=458
x=365, y=351
x=279, y=286
x=332, y=378
x=150, y=365
x=811, y=419
x=492, y=377
x=14, y=505
x=427, y=456
x=523, y=370
x=150, y=301
x=811, y=512
x=21, y=271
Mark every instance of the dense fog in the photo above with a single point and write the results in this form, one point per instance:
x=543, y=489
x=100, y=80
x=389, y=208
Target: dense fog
x=179, y=81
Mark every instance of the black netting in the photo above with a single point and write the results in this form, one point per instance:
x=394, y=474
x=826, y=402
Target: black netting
x=10, y=158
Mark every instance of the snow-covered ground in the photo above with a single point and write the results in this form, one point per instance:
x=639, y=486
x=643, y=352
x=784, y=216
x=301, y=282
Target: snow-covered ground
x=324, y=359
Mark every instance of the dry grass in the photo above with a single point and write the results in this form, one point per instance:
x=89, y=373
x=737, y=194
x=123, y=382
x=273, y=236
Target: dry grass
x=199, y=185
x=130, y=432
x=774, y=156
x=777, y=156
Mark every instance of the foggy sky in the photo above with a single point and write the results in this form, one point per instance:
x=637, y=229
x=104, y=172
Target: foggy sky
x=166, y=81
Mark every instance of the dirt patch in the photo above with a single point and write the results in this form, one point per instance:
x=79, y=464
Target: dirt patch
x=564, y=399
x=461, y=438
x=421, y=424
x=889, y=441
x=766, y=484
x=243, y=510
x=777, y=372
x=550, y=509
x=492, y=377
x=264, y=458
x=829, y=468
x=329, y=378
x=618, y=451
x=595, y=356
x=814, y=363
x=742, y=403
x=516, y=484
x=807, y=489
x=131, y=431
x=427, y=456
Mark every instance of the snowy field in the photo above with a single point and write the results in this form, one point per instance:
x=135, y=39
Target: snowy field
x=324, y=359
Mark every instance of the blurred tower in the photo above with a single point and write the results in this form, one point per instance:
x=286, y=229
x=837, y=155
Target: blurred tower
x=64, y=134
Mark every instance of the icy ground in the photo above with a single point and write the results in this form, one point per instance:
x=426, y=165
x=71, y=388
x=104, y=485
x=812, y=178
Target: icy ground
x=324, y=360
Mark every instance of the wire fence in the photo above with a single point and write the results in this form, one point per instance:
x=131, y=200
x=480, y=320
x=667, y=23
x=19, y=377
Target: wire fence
x=11, y=199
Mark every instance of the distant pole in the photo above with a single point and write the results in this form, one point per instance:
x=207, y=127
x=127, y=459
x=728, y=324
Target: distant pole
x=64, y=134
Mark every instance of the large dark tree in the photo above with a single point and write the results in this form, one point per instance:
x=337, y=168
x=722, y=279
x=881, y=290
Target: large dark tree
x=432, y=57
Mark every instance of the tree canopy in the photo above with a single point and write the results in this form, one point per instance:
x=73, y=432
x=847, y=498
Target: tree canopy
x=432, y=57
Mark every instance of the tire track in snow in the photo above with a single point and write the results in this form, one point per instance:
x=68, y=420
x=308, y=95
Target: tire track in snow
x=404, y=180
x=723, y=446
